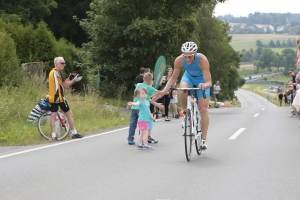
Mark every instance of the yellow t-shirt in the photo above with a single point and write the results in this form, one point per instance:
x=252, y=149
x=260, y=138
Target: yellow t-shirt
x=56, y=90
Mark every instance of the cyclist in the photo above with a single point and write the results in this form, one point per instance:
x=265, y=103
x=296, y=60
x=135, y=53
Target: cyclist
x=56, y=95
x=197, y=74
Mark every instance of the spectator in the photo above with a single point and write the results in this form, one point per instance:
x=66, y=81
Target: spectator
x=280, y=97
x=173, y=103
x=165, y=100
x=268, y=96
x=217, y=89
x=139, y=78
x=57, y=84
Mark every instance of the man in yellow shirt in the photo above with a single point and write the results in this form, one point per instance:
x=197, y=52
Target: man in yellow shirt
x=56, y=95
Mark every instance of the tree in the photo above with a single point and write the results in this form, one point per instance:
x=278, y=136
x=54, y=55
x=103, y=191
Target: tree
x=259, y=43
x=62, y=23
x=266, y=59
x=278, y=44
x=126, y=35
x=29, y=11
x=214, y=44
x=11, y=71
x=288, y=59
x=272, y=44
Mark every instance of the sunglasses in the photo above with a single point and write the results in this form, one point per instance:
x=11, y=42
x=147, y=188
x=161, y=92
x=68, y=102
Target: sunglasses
x=189, y=57
x=62, y=63
x=290, y=72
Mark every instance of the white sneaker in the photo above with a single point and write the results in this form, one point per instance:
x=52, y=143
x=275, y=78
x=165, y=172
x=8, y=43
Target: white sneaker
x=293, y=115
x=203, y=145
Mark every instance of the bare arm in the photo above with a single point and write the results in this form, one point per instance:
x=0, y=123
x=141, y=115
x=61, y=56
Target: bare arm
x=67, y=83
x=159, y=105
x=177, y=69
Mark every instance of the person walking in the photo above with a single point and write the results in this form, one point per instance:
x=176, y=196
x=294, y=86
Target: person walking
x=144, y=117
x=217, y=89
x=280, y=98
x=197, y=74
x=57, y=84
x=268, y=96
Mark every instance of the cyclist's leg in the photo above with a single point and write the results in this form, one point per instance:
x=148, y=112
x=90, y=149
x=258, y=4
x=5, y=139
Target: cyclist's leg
x=203, y=104
x=54, y=109
x=65, y=107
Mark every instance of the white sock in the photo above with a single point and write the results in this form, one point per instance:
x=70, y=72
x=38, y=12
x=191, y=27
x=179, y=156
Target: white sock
x=74, y=132
x=53, y=135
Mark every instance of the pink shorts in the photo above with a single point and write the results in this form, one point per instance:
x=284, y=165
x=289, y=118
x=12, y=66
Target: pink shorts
x=143, y=125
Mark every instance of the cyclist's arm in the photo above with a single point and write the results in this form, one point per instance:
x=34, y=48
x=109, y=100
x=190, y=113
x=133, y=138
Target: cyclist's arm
x=177, y=69
x=204, y=65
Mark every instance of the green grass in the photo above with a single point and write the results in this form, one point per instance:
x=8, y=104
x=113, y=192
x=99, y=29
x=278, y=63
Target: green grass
x=247, y=41
x=91, y=112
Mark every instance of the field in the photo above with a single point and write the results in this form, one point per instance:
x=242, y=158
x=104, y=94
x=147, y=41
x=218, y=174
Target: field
x=247, y=41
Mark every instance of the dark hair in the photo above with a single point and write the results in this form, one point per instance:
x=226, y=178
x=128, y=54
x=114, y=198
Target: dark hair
x=142, y=70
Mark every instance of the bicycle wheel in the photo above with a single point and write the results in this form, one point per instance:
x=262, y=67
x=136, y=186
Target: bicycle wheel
x=188, y=137
x=199, y=134
x=62, y=127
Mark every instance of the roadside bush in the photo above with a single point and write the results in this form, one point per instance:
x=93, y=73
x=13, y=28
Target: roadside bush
x=10, y=69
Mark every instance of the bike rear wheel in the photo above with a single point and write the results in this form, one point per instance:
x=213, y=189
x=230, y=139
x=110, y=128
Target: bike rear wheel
x=62, y=127
x=188, y=137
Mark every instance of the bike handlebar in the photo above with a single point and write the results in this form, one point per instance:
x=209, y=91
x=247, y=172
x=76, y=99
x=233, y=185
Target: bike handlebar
x=195, y=88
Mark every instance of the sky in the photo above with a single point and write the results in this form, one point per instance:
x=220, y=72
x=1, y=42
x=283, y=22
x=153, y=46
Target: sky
x=241, y=8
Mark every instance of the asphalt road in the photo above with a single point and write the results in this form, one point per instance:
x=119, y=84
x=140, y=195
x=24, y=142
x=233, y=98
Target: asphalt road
x=253, y=153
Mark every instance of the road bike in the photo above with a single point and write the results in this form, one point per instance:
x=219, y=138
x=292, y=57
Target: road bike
x=62, y=127
x=191, y=125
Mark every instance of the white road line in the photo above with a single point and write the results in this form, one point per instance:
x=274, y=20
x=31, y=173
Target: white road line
x=60, y=143
x=256, y=115
x=236, y=134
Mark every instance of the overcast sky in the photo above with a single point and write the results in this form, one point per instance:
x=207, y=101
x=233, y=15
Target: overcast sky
x=239, y=8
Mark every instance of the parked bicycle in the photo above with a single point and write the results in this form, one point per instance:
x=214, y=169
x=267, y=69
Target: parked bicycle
x=62, y=127
x=192, y=121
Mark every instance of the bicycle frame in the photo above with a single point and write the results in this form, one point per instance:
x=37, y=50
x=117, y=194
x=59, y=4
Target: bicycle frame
x=191, y=125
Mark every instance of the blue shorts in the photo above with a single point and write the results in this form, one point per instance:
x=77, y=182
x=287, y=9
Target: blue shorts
x=194, y=81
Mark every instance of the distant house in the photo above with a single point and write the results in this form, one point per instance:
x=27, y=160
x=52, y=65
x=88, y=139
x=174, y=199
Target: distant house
x=265, y=28
x=280, y=29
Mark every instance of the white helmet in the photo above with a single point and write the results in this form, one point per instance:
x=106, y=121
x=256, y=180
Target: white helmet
x=189, y=47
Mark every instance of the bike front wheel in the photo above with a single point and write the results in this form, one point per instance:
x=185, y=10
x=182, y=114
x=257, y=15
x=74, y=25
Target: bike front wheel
x=199, y=134
x=188, y=137
x=62, y=127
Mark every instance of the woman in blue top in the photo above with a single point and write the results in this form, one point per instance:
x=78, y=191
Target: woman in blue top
x=144, y=117
x=197, y=74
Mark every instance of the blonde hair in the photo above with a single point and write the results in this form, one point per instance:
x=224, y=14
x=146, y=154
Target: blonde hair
x=148, y=78
x=138, y=91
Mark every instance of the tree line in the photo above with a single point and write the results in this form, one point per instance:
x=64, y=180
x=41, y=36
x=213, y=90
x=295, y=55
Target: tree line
x=291, y=22
x=118, y=37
